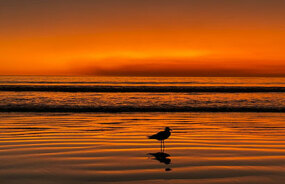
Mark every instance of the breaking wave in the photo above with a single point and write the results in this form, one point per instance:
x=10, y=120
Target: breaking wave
x=145, y=89
x=73, y=108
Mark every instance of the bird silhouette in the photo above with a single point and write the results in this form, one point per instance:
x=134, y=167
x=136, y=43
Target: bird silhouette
x=161, y=136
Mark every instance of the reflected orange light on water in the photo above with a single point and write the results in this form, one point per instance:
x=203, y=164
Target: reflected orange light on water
x=114, y=147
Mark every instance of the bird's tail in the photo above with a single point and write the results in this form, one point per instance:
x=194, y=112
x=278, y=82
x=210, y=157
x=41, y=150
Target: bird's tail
x=151, y=137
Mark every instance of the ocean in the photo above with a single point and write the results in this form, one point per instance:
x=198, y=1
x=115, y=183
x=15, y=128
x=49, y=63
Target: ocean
x=127, y=94
x=62, y=129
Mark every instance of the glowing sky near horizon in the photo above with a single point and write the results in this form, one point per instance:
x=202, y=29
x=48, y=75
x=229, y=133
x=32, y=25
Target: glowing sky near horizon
x=143, y=37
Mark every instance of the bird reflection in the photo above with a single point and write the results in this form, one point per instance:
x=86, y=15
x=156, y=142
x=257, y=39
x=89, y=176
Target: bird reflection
x=162, y=158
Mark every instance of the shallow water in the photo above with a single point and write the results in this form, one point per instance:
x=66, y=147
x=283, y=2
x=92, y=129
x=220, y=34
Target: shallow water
x=204, y=148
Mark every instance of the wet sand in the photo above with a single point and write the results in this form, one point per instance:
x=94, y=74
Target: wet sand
x=204, y=148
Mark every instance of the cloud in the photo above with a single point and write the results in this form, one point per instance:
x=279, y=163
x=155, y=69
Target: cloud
x=184, y=68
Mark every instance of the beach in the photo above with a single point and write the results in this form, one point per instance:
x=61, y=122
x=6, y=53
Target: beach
x=106, y=148
x=102, y=137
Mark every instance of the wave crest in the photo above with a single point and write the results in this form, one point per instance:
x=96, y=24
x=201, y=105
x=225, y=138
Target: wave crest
x=145, y=89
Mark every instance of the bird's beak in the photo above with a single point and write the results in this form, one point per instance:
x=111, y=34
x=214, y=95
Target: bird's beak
x=170, y=129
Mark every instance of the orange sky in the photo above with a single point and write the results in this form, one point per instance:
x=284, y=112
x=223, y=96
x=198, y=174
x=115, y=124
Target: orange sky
x=142, y=37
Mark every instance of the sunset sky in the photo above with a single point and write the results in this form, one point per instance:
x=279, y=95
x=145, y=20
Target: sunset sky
x=142, y=37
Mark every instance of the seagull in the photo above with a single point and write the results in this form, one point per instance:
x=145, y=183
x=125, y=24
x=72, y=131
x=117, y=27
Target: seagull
x=161, y=136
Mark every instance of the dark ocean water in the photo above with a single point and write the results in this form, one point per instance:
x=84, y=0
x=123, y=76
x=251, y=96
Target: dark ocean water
x=98, y=94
